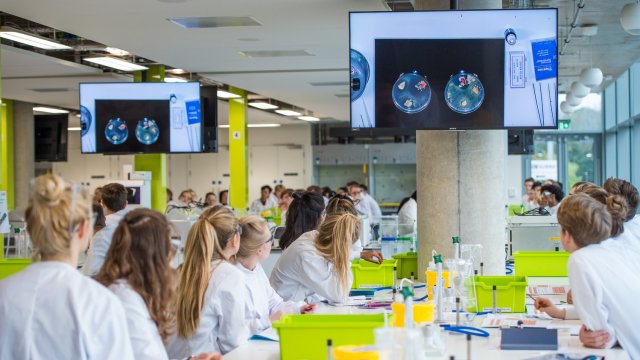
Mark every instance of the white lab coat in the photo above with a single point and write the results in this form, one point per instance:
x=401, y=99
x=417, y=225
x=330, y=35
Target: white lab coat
x=145, y=338
x=408, y=213
x=222, y=320
x=257, y=206
x=51, y=311
x=604, y=280
x=633, y=227
x=374, y=209
x=554, y=209
x=101, y=242
x=262, y=300
x=301, y=273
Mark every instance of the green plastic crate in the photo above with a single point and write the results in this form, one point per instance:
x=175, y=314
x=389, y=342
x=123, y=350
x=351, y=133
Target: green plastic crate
x=304, y=337
x=367, y=275
x=510, y=293
x=9, y=267
x=407, y=264
x=541, y=263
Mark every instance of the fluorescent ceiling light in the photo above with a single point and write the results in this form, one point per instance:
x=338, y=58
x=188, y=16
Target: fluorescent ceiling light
x=288, y=112
x=262, y=105
x=253, y=126
x=308, y=118
x=29, y=39
x=49, y=110
x=227, y=95
x=263, y=125
x=115, y=63
x=74, y=128
x=116, y=51
x=177, y=71
x=170, y=79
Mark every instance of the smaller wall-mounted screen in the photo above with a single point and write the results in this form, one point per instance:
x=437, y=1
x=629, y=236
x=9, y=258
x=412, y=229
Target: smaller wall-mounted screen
x=121, y=118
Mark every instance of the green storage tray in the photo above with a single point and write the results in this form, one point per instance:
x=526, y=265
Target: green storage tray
x=368, y=275
x=510, y=293
x=407, y=264
x=9, y=267
x=304, y=337
x=541, y=263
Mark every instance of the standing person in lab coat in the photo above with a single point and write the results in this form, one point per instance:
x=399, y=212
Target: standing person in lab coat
x=605, y=302
x=50, y=310
x=138, y=271
x=265, y=202
x=210, y=306
x=376, y=213
x=630, y=193
x=316, y=267
x=408, y=209
x=263, y=305
x=114, y=203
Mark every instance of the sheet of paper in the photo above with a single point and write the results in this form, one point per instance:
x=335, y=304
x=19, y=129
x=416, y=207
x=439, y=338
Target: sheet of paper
x=498, y=320
x=548, y=290
x=270, y=334
x=574, y=329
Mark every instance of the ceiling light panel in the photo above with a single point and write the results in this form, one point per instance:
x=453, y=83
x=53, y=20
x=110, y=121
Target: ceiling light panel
x=49, y=110
x=214, y=22
x=274, y=53
x=170, y=79
x=308, y=118
x=288, y=112
x=262, y=105
x=116, y=63
x=227, y=95
x=31, y=40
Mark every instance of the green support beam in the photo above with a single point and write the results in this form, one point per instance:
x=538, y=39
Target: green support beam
x=238, y=151
x=6, y=152
x=155, y=163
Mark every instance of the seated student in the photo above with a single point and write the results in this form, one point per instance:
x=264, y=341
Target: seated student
x=210, y=302
x=316, y=266
x=223, y=197
x=630, y=193
x=265, y=202
x=210, y=199
x=50, y=310
x=264, y=305
x=283, y=205
x=408, y=209
x=138, y=271
x=617, y=211
x=114, y=203
x=552, y=195
x=305, y=213
x=605, y=302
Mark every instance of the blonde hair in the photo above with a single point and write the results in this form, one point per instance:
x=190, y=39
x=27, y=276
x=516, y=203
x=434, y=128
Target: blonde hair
x=616, y=205
x=336, y=235
x=254, y=228
x=585, y=218
x=207, y=239
x=340, y=204
x=56, y=208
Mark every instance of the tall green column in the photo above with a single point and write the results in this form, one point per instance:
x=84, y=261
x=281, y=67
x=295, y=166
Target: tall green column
x=238, y=151
x=6, y=152
x=155, y=163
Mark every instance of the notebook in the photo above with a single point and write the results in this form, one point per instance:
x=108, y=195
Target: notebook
x=529, y=339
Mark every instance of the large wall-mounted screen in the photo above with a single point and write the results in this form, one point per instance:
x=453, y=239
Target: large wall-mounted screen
x=476, y=69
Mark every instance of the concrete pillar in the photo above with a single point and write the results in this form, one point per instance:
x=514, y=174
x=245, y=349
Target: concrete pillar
x=461, y=184
x=24, y=151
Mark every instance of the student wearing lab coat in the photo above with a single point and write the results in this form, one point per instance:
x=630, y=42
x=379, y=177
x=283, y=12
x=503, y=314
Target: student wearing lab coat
x=263, y=304
x=210, y=313
x=316, y=266
x=630, y=193
x=376, y=213
x=618, y=215
x=138, y=271
x=50, y=310
x=305, y=213
x=604, y=301
x=266, y=202
x=114, y=203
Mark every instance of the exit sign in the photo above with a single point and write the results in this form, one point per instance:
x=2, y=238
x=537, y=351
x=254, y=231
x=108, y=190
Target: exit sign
x=564, y=124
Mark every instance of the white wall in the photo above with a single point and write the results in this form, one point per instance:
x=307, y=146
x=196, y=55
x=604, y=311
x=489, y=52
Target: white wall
x=515, y=182
x=272, y=152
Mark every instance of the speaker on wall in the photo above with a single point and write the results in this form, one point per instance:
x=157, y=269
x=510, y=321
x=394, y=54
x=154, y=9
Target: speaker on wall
x=209, y=110
x=51, y=137
x=520, y=142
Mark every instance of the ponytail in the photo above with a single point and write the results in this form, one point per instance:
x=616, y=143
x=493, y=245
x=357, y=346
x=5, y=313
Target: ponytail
x=207, y=239
x=336, y=235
